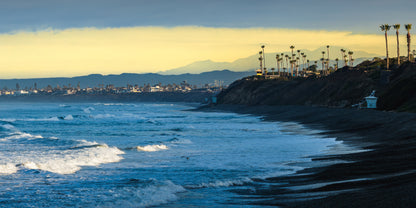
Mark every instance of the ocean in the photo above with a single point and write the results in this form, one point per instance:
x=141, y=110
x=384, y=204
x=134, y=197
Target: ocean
x=143, y=155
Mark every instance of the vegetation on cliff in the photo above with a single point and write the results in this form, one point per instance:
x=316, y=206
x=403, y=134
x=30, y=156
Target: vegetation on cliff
x=343, y=88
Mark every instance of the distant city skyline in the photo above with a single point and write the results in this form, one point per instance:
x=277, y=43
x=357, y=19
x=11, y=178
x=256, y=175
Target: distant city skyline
x=49, y=38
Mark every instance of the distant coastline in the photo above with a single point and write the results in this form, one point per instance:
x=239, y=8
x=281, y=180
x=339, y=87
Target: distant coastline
x=194, y=97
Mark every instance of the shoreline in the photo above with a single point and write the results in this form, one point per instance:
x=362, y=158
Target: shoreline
x=383, y=176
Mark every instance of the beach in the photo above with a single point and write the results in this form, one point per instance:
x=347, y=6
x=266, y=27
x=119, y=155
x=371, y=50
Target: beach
x=383, y=174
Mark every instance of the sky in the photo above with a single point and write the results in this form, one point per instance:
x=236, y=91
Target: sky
x=65, y=38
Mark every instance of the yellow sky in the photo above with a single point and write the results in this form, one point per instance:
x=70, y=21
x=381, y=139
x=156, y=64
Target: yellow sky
x=82, y=51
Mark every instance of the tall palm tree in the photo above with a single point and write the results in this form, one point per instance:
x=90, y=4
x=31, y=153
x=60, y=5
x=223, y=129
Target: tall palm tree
x=327, y=50
x=397, y=27
x=297, y=66
x=277, y=60
x=303, y=62
x=408, y=27
x=337, y=63
x=323, y=59
x=261, y=60
x=292, y=47
x=386, y=28
x=343, y=56
x=264, y=60
x=346, y=60
x=350, y=55
x=287, y=60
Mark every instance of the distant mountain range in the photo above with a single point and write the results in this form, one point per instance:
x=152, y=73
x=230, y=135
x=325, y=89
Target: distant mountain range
x=251, y=63
x=94, y=80
x=198, y=73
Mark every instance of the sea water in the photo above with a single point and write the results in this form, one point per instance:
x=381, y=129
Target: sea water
x=141, y=155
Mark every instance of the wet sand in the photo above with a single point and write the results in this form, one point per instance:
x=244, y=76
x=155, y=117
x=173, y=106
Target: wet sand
x=382, y=176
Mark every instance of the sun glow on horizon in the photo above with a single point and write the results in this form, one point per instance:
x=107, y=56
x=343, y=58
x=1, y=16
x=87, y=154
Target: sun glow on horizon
x=81, y=51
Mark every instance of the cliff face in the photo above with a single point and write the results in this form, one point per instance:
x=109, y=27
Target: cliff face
x=343, y=88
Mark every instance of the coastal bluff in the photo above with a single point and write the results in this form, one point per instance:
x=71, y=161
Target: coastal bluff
x=395, y=89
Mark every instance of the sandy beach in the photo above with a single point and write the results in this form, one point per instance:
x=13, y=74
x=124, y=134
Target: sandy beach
x=383, y=175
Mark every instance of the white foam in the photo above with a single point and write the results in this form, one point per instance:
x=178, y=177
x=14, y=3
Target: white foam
x=6, y=169
x=152, y=148
x=226, y=183
x=21, y=135
x=11, y=120
x=158, y=194
x=8, y=127
x=68, y=117
x=71, y=161
x=42, y=119
x=88, y=110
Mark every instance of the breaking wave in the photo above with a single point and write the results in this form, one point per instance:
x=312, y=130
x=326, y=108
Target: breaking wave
x=152, y=193
x=52, y=154
x=152, y=148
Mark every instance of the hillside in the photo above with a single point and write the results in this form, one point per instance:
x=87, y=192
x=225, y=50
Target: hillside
x=343, y=88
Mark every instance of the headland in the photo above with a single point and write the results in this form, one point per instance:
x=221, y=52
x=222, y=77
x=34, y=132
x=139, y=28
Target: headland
x=383, y=175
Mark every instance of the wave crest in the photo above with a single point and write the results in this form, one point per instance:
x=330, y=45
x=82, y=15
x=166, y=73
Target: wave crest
x=152, y=148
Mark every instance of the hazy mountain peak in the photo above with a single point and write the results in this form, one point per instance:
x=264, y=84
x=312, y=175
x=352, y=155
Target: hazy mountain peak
x=251, y=63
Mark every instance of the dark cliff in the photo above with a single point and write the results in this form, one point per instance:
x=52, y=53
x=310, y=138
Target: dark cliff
x=343, y=88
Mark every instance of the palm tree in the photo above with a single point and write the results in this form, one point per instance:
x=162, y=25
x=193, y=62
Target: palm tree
x=337, y=63
x=350, y=55
x=397, y=27
x=297, y=65
x=287, y=60
x=292, y=47
x=386, y=28
x=264, y=60
x=261, y=60
x=343, y=56
x=277, y=60
x=408, y=27
x=307, y=61
x=345, y=60
x=323, y=59
x=327, y=50
x=303, y=61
